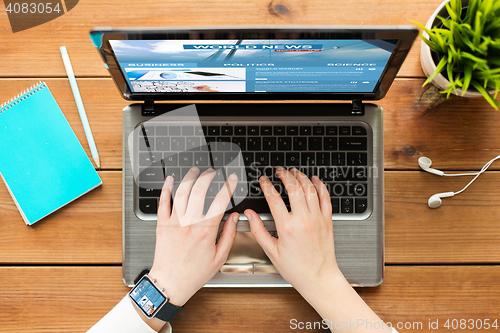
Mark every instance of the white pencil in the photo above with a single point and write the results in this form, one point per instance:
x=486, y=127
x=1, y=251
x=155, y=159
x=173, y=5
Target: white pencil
x=79, y=105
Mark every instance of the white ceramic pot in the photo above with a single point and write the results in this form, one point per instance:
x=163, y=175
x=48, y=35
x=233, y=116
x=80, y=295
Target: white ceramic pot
x=428, y=65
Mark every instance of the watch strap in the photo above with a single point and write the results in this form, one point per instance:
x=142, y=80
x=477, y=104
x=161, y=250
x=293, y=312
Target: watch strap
x=168, y=312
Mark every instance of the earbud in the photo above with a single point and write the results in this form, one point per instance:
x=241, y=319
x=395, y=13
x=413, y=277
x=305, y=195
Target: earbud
x=425, y=163
x=435, y=201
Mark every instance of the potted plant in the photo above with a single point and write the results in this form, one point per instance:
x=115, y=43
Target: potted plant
x=460, y=50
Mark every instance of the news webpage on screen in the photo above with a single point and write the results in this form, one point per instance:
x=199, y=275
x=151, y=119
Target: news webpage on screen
x=289, y=66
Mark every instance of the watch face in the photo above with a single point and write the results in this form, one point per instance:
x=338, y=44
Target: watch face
x=147, y=297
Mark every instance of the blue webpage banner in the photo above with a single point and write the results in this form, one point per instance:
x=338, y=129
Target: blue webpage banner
x=210, y=66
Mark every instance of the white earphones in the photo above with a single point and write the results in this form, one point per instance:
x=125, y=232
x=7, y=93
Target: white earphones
x=435, y=200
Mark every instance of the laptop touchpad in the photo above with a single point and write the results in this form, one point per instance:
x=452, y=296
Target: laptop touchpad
x=247, y=257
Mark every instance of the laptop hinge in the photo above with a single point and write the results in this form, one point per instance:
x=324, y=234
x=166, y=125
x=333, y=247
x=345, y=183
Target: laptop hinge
x=148, y=108
x=358, y=108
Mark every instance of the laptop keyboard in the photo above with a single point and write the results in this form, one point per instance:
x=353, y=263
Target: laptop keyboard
x=337, y=153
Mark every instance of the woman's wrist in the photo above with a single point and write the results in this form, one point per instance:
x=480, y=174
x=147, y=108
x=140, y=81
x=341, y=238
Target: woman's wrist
x=323, y=286
x=176, y=295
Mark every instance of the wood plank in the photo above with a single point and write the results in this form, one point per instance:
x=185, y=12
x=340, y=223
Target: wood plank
x=72, y=299
x=464, y=230
x=71, y=29
x=457, y=134
x=86, y=231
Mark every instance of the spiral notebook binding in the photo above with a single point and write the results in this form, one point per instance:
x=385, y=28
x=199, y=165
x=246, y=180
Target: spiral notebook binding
x=15, y=100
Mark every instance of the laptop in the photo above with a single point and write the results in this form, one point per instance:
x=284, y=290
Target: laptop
x=245, y=101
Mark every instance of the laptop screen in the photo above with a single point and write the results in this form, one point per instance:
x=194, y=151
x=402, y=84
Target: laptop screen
x=308, y=63
x=253, y=65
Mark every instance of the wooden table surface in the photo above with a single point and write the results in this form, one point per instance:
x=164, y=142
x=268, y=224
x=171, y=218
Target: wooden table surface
x=64, y=273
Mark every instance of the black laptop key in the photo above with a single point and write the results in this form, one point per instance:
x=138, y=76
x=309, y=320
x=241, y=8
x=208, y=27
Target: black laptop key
x=338, y=159
x=338, y=189
x=255, y=190
x=346, y=205
x=148, y=206
x=360, y=205
x=292, y=130
x=325, y=174
x=330, y=143
x=227, y=130
x=187, y=130
x=151, y=174
x=331, y=130
x=350, y=173
x=305, y=130
x=284, y=143
x=248, y=158
x=262, y=159
x=161, y=131
x=213, y=130
x=150, y=190
x=241, y=190
x=253, y=130
x=193, y=143
x=240, y=142
x=357, y=159
x=315, y=143
x=254, y=143
x=205, y=130
x=252, y=173
x=299, y=143
x=186, y=159
x=335, y=205
x=217, y=159
x=212, y=190
x=162, y=144
x=178, y=144
x=277, y=159
x=148, y=159
x=147, y=130
x=318, y=130
x=223, y=144
x=174, y=130
x=266, y=130
x=307, y=159
x=359, y=130
x=170, y=159
x=269, y=143
x=201, y=159
x=145, y=144
x=345, y=130
x=360, y=190
x=240, y=130
x=198, y=131
x=231, y=157
x=209, y=139
x=292, y=159
x=353, y=143
x=323, y=159
x=279, y=130
x=174, y=172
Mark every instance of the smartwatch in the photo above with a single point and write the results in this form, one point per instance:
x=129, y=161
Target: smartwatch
x=152, y=301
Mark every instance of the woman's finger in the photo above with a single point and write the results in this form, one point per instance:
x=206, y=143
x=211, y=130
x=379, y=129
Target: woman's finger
x=164, y=209
x=182, y=193
x=309, y=190
x=292, y=185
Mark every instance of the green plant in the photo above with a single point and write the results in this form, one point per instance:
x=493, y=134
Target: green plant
x=469, y=46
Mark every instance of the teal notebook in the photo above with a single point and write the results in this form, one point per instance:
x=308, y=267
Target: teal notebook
x=42, y=163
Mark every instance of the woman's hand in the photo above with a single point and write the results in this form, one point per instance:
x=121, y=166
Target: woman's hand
x=304, y=253
x=186, y=255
